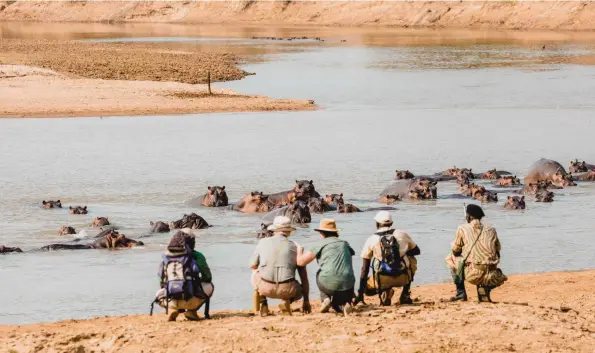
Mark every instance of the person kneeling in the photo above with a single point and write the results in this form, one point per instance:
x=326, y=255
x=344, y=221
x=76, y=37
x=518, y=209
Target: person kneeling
x=275, y=263
x=335, y=277
x=391, y=254
x=185, y=278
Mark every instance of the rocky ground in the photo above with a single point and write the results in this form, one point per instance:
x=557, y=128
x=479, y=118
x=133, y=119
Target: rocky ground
x=550, y=312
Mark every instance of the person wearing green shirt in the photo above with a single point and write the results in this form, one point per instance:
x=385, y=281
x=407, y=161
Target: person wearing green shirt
x=335, y=278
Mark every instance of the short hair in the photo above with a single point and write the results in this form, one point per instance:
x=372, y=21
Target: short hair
x=327, y=234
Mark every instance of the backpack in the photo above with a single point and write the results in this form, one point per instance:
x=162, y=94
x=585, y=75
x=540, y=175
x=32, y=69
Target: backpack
x=392, y=263
x=181, y=276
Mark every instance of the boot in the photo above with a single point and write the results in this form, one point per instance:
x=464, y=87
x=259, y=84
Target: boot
x=256, y=299
x=461, y=293
x=264, y=307
x=483, y=294
x=191, y=315
x=285, y=307
x=173, y=315
x=406, y=295
x=325, y=305
x=386, y=297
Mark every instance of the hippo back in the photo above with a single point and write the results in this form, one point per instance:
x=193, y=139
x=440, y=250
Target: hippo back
x=270, y=216
x=543, y=169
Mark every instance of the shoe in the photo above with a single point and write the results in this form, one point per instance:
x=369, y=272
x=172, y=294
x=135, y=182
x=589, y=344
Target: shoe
x=406, y=295
x=461, y=293
x=285, y=307
x=347, y=309
x=326, y=305
x=264, y=309
x=173, y=315
x=386, y=297
x=191, y=316
x=483, y=294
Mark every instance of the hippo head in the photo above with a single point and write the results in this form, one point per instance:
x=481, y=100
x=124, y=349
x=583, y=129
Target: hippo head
x=515, y=203
x=217, y=196
x=561, y=178
x=100, y=221
x=491, y=174
x=300, y=212
x=465, y=185
x=509, y=180
x=578, y=167
x=334, y=199
x=403, y=174
x=258, y=197
x=264, y=231
x=304, y=189
x=317, y=205
x=159, y=227
x=123, y=242
x=463, y=179
x=543, y=195
x=488, y=196
x=66, y=231
x=391, y=199
x=78, y=210
x=427, y=189
x=51, y=204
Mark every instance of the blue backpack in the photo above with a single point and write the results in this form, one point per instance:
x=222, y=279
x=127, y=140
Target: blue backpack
x=180, y=274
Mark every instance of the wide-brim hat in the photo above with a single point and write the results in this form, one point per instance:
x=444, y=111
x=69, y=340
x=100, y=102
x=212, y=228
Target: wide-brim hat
x=327, y=225
x=281, y=224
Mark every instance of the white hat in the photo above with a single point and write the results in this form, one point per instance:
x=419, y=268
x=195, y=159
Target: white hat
x=281, y=224
x=187, y=231
x=383, y=218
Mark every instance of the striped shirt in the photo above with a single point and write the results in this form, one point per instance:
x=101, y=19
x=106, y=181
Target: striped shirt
x=487, y=249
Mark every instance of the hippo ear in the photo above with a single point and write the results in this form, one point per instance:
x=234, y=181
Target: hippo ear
x=223, y=187
x=70, y=207
x=43, y=202
x=58, y=201
x=312, y=182
x=297, y=182
x=151, y=223
x=523, y=198
x=208, y=187
x=341, y=194
x=85, y=208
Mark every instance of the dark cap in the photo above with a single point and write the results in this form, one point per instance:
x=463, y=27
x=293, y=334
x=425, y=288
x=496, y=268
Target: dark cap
x=475, y=211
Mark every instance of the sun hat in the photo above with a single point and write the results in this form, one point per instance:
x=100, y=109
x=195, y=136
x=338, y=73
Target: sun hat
x=328, y=225
x=281, y=224
x=385, y=220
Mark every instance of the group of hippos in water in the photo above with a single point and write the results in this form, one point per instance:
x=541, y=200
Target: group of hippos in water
x=300, y=202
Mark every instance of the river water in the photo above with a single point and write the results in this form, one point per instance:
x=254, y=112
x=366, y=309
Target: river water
x=420, y=107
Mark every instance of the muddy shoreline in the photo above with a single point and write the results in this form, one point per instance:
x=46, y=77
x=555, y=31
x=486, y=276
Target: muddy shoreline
x=535, y=313
x=551, y=15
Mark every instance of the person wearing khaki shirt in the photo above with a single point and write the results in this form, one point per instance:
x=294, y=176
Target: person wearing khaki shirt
x=382, y=283
x=275, y=262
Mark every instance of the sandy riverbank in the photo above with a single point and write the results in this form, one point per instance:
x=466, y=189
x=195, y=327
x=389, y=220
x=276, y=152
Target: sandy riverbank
x=554, y=312
x=37, y=92
x=68, y=79
x=559, y=15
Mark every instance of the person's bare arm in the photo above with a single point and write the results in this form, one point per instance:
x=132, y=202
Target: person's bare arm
x=304, y=259
x=303, y=273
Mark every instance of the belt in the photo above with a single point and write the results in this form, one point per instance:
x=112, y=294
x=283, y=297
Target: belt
x=280, y=282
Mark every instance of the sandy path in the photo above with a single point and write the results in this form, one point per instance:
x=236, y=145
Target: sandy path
x=35, y=92
x=559, y=317
x=562, y=15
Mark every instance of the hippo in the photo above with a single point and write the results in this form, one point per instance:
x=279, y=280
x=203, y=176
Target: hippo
x=109, y=241
x=78, y=209
x=543, y=195
x=533, y=188
x=390, y=199
x=580, y=167
x=302, y=190
x=100, y=222
x=347, y=208
x=549, y=170
x=264, y=231
x=455, y=172
x=51, y=204
x=254, y=202
x=507, y=180
x=334, y=199
x=424, y=189
x=319, y=205
x=515, y=203
x=6, y=249
x=478, y=192
x=463, y=179
x=66, y=230
x=586, y=176
x=403, y=174
x=216, y=196
x=298, y=212
x=192, y=221
x=159, y=227
x=489, y=175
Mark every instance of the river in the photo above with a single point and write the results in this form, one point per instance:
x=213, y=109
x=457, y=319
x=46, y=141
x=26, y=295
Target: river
x=472, y=103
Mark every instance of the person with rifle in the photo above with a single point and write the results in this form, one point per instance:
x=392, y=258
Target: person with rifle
x=475, y=257
x=391, y=255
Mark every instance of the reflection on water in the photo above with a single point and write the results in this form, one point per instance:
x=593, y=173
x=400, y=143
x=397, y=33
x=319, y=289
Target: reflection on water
x=374, y=119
